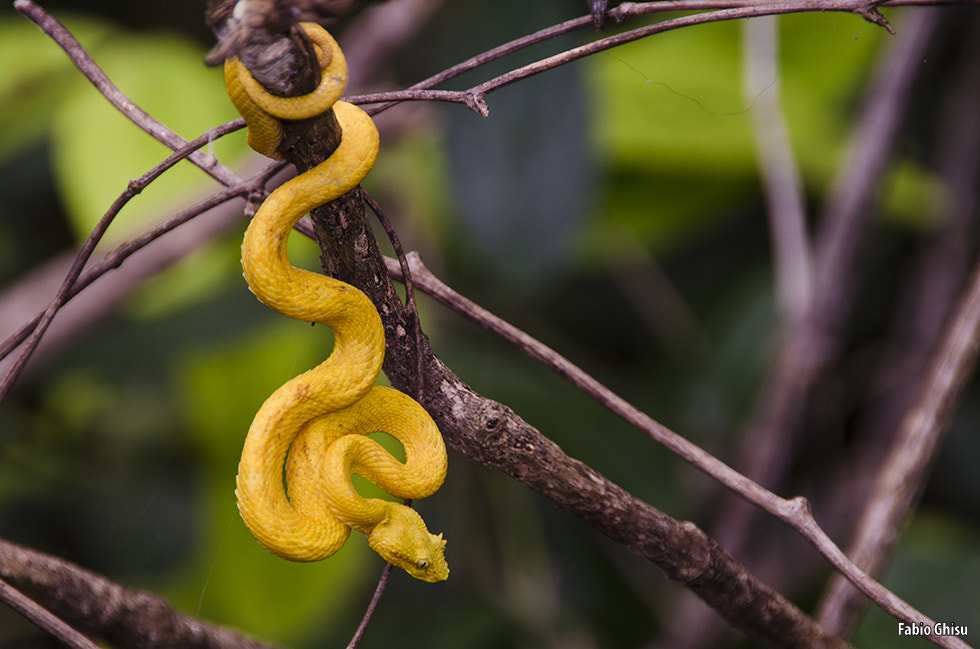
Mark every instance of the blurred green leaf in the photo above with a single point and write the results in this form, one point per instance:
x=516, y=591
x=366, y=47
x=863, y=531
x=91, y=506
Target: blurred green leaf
x=194, y=279
x=245, y=585
x=674, y=103
x=36, y=72
x=911, y=195
x=98, y=151
x=674, y=121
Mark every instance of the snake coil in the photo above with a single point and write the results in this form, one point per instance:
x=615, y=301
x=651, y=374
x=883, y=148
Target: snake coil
x=294, y=484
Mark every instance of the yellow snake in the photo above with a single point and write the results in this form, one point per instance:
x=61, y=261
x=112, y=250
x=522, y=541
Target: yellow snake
x=294, y=484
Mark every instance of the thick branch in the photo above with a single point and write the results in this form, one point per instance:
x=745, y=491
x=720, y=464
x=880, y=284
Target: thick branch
x=491, y=434
x=43, y=618
x=124, y=617
x=794, y=512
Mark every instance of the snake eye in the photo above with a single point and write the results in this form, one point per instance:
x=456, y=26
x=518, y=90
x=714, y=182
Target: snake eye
x=421, y=564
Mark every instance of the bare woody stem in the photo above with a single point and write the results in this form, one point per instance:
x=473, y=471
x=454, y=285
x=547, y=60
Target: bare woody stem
x=151, y=125
x=943, y=265
x=475, y=97
x=34, y=330
x=491, y=434
x=43, y=618
x=100, y=608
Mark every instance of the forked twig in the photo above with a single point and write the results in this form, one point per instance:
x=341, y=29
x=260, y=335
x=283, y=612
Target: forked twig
x=806, y=347
x=723, y=10
x=182, y=149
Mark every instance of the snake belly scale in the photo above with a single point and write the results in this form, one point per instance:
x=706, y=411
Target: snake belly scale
x=294, y=484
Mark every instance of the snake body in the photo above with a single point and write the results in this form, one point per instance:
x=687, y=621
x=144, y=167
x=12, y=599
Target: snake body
x=294, y=484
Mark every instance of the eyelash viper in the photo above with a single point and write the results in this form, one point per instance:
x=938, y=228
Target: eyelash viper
x=309, y=437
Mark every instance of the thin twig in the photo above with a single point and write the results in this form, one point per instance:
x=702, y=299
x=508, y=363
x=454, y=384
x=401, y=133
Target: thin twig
x=134, y=187
x=115, y=258
x=925, y=422
x=87, y=65
x=903, y=474
x=474, y=102
x=474, y=62
x=619, y=14
x=410, y=303
x=631, y=9
x=43, y=618
x=860, y=7
x=786, y=215
x=779, y=172
x=372, y=605
x=795, y=512
x=396, y=245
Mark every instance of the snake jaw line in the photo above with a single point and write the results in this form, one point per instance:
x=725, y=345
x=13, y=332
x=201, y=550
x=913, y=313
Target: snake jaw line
x=310, y=436
x=419, y=553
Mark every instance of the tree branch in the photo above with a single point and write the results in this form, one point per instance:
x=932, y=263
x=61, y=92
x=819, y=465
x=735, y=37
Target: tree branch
x=491, y=434
x=43, y=618
x=794, y=512
x=34, y=331
x=99, y=608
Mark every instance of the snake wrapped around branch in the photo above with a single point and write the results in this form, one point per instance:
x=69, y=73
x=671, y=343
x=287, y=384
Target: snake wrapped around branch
x=294, y=485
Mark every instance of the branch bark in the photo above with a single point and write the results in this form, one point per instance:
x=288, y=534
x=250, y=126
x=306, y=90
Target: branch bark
x=103, y=609
x=491, y=434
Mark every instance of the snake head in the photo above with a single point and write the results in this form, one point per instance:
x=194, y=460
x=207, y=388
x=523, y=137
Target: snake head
x=403, y=541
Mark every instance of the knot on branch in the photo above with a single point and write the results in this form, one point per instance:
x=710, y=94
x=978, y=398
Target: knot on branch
x=491, y=418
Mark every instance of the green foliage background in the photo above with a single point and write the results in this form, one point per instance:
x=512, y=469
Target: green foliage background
x=120, y=453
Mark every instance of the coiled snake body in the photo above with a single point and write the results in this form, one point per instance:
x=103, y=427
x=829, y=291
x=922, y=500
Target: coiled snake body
x=310, y=435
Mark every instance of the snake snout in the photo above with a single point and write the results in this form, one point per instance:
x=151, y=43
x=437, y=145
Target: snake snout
x=403, y=541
